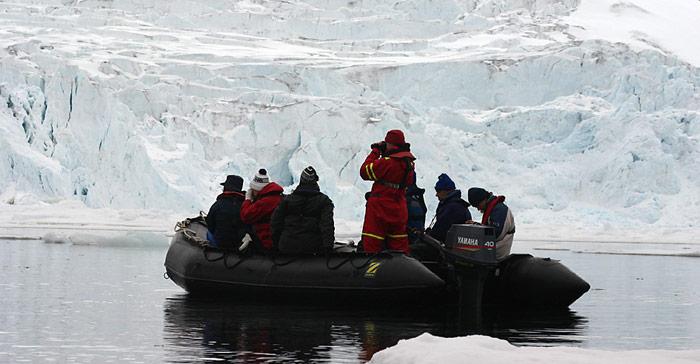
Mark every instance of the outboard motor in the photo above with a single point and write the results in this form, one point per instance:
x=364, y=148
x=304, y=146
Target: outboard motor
x=521, y=279
x=470, y=250
x=473, y=244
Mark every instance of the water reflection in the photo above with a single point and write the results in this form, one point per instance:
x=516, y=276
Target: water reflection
x=535, y=327
x=199, y=329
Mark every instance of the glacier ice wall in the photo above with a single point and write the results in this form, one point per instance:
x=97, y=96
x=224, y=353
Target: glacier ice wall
x=148, y=104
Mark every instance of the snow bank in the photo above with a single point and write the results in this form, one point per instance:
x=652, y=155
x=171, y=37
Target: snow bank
x=149, y=104
x=486, y=350
x=71, y=222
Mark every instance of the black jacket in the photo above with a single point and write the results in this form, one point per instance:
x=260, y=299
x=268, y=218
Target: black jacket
x=303, y=221
x=452, y=210
x=416, y=207
x=224, y=220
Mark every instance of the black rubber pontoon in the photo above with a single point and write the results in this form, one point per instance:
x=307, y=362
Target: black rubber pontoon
x=336, y=279
x=524, y=280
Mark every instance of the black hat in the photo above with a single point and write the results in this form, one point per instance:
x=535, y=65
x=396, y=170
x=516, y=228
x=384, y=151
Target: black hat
x=476, y=195
x=233, y=183
x=308, y=175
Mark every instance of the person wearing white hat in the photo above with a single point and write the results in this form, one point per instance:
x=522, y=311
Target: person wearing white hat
x=261, y=200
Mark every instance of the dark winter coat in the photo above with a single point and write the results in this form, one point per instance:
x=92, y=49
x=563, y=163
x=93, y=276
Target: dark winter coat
x=224, y=220
x=499, y=216
x=303, y=221
x=259, y=212
x=416, y=210
x=452, y=210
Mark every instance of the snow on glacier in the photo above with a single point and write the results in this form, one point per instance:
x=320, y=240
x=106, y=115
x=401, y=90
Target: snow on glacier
x=149, y=104
x=669, y=27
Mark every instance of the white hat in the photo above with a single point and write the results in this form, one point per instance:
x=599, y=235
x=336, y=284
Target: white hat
x=260, y=180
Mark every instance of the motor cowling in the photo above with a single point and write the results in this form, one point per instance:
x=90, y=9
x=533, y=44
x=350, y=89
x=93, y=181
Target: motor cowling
x=472, y=243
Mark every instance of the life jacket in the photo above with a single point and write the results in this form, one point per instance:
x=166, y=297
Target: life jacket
x=402, y=152
x=391, y=173
x=495, y=200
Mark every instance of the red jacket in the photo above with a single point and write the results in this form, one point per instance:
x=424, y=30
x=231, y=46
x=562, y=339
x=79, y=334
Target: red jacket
x=388, y=173
x=259, y=212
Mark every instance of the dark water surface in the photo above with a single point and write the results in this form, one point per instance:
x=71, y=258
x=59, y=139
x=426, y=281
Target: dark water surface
x=70, y=303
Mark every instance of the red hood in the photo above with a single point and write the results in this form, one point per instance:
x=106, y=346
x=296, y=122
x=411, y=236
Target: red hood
x=402, y=154
x=271, y=188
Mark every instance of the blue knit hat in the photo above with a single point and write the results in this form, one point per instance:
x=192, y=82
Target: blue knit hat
x=444, y=183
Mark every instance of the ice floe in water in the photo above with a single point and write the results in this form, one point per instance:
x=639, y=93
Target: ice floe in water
x=487, y=350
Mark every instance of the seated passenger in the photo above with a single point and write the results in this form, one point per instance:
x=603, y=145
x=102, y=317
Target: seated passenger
x=496, y=214
x=225, y=228
x=416, y=211
x=451, y=209
x=303, y=221
x=261, y=200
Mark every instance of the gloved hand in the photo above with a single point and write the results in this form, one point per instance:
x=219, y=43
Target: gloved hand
x=245, y=242
x=249, y=194
x=381, y=146
x=413, y=230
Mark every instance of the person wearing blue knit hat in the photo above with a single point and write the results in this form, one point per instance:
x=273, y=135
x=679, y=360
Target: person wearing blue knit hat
x=452, y=209
x=444, y=183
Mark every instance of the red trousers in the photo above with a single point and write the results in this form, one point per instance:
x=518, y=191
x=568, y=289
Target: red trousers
x=385, y=225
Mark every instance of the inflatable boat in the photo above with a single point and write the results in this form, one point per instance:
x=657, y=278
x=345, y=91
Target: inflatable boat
x=467, y=273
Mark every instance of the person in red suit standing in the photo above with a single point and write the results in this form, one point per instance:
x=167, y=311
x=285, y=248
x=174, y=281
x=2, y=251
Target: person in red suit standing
x=390, y=165
x=261, y=200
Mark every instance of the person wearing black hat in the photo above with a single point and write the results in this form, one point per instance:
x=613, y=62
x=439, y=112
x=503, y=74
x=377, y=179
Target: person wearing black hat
x=496, y=214
x=226, y=230
x=451, y=209
x=303, y=221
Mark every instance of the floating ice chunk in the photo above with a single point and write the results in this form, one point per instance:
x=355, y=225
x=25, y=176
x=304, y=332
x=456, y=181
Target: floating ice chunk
x=487, y=350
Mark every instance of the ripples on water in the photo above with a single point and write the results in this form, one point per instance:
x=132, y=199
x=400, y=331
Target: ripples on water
x=68, y=303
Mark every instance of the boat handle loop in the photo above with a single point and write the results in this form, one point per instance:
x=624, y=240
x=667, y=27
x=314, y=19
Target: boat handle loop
x=206, y=249
x=240, y=260
x=328, y=260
